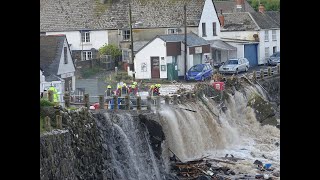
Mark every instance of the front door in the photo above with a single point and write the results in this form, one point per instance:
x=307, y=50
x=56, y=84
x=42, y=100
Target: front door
x=155, y=67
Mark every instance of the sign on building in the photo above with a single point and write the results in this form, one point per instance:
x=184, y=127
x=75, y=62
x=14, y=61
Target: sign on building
x=198, y=50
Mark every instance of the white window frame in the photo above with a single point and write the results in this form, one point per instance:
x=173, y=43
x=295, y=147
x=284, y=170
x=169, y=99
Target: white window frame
x=124, y=34
x=274, y=35
x=85, y=37
x=86, y=55
x=266, y=52
x=204, y=29
x=172, y=31
x=266, y=35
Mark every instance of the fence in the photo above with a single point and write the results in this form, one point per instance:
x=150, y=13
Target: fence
x=264, y=73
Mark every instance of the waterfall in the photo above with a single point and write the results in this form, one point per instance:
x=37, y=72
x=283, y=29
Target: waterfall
x=236, y=131
x=130, y=156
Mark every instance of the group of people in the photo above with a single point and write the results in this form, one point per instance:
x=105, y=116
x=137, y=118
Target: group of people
x=123, y=89
x=154, y=90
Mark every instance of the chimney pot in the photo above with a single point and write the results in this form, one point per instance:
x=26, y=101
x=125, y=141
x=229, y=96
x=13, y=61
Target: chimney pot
x=261, y=8
x=221, y=18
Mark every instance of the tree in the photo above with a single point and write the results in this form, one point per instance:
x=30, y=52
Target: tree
x=112, y=50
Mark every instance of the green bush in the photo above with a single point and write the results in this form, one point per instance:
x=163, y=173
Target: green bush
x=44, y=102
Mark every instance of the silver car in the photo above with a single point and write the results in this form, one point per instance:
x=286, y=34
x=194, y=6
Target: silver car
x=274, y=59
x=234, y=66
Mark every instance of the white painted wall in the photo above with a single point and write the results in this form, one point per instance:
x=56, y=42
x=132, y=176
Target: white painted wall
x=209, y=16
x=240, y=35
x=263, y=44
x=97, y=39
x=66, y=70
x=155, y=48
x=240, y=49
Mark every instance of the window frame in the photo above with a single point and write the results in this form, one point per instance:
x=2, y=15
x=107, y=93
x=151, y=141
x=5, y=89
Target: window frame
x=274, y=35
x=65, y=55
x=124, y=34
x=266, y=36
x=204, y=30
x=85, y=55
x=174, y=29
x=85, y=36
x=266, y=52
x=214, y=29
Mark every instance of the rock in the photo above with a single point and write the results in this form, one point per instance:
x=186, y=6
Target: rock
x=257, y=162
x=276, y=174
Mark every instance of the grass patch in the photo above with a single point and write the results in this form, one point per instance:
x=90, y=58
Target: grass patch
x=44, y=102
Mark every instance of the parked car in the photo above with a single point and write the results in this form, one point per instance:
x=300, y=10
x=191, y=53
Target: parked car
x=199, y=72
x=274, y=59
x=234, y=66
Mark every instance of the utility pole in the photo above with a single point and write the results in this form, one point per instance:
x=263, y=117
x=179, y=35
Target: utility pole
x=185, y=40
x=131, y=41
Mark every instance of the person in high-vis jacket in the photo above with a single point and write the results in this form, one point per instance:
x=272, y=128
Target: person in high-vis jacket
x=109, y=91
x=55, y=93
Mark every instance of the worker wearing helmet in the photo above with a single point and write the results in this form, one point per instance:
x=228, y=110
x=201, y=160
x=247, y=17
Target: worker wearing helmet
x=55, y=93
x=118, y=92
x=124, y=89
x=151, y=90
x=156, y=89
x=109, y=91
x=134, y=88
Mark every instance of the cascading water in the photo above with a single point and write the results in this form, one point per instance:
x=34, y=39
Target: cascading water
x=236, y=131
x=130, y=156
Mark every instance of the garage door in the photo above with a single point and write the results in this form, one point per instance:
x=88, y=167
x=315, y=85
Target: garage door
x=250, y=52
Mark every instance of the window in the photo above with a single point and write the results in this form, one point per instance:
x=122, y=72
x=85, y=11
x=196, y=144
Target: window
x=274, y=35
x=126, y=35
x=214, y=28
x=85, y=36
x=125, y=55
x=65, y=51
x=266, y=35
x=266, y=52
x=204, y=34
x=86, y=55
x=172, y=31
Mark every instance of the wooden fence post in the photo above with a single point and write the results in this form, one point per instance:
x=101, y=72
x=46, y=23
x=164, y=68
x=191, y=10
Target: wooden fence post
x=115, y=102
x=139, y=103
x=149, y=102
x=47, y=124
x=269, y=71
x=101, y=101
x=86, y=100
x=50, y=95
x=254, y=75
x=58, y=122
x=66, y=99
x=175, y=99
x=261, y=73
x=127, y=101
x=166, y=99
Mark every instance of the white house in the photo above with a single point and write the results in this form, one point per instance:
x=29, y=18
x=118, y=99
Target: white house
x=256, y=35
x=56, y=62
x=163, y=57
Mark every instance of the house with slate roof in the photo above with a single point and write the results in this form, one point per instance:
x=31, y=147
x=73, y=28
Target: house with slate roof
x=256, y=35
x=56, y=63
x=89, y=24
x=163, y=56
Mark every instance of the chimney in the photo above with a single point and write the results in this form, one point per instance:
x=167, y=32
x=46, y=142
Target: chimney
x=261, y=8
x=221, y=18
x=239, y=5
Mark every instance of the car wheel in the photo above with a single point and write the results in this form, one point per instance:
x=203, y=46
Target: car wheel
x=237, y=71
x=246, y=69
